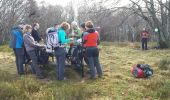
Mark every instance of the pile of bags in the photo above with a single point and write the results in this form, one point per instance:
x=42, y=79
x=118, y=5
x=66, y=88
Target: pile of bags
x=142, y=71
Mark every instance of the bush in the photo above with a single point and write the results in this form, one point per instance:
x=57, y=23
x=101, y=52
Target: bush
x=164, y=44
x=164, y=64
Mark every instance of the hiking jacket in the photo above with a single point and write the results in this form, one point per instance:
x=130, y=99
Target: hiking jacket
x=36, y=35
x=17, y=38
x=91, y=39
x=29, y=42
x=144, y=34
x=62, y=36
x=77, y=33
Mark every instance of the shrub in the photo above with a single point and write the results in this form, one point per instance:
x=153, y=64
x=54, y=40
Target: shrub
x=164, y=64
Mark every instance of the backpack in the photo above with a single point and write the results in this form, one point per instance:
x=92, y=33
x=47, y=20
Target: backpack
x=42, y=56
x=52, y=38
x=142, y=71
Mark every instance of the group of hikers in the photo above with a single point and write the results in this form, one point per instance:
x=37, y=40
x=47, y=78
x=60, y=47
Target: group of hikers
x=26, y=39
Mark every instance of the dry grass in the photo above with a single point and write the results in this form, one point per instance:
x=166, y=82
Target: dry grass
x=117, y=84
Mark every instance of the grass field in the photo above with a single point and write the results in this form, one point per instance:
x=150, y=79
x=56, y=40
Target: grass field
x=117, y=83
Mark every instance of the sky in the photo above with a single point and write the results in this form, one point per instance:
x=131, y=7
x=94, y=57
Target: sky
x=54, y=2
x=65, y=2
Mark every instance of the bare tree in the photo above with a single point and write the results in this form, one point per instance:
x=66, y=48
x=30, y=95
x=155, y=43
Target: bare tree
x=156, y=14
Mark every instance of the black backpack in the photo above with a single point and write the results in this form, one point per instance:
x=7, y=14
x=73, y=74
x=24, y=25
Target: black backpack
x=42, y=56
x=148, y=71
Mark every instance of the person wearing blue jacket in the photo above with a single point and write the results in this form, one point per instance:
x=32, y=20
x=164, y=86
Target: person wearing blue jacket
x=60, y=51
x=17, y=44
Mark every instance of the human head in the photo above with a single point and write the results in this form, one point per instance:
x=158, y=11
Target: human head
x=21, y=26
x=27, y=29
x=36, y=26
x=65, y=26
x=74, y=25
x=83, y=28
x=55, y=26
x=89, y=24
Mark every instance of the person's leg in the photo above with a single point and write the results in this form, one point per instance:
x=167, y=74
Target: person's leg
x=16, y=60
x=21, y=64
x=146, y=44
x=61, y=67
x=61, y=56
x=97, y=63
x=57, y=66
x=20, y=60
x=91, y=62
x=33, y=69
x=143, y=44
x=34, y=59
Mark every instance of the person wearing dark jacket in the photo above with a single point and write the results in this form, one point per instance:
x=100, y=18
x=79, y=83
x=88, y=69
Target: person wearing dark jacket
x=92, y=51
x=17, y=45
x=35, y=33
x=31, y=45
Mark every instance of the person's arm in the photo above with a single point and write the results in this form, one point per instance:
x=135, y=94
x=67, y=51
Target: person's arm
x=85, y=38
x=62, y=37
x=31, y=42
x=19, y=36
x=78, y=33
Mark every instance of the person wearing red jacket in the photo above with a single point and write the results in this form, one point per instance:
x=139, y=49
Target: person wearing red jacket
x=91, y=44
x=144, y=38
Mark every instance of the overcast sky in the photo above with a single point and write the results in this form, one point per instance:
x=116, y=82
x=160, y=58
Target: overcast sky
x=54, y=2
x=65, y=2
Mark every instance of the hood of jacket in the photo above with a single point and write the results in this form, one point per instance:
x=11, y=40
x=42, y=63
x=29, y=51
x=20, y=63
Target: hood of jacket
x=92, y=30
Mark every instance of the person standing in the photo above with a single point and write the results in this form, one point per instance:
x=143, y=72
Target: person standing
x=92, y=51
x=84, y=33
x=52, y=29
x=17, y=45
x=60, y=52
x=31, y=45
x=35, y=34
x=144, y=38
x=76, y=33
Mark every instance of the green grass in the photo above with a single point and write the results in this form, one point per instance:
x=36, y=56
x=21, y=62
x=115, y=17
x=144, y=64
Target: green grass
x=117, y=84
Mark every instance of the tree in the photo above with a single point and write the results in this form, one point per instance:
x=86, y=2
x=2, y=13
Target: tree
x=157, y=15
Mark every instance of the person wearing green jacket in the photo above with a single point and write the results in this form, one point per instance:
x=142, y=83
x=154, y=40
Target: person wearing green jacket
x=60, y=51
x=76, y=32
